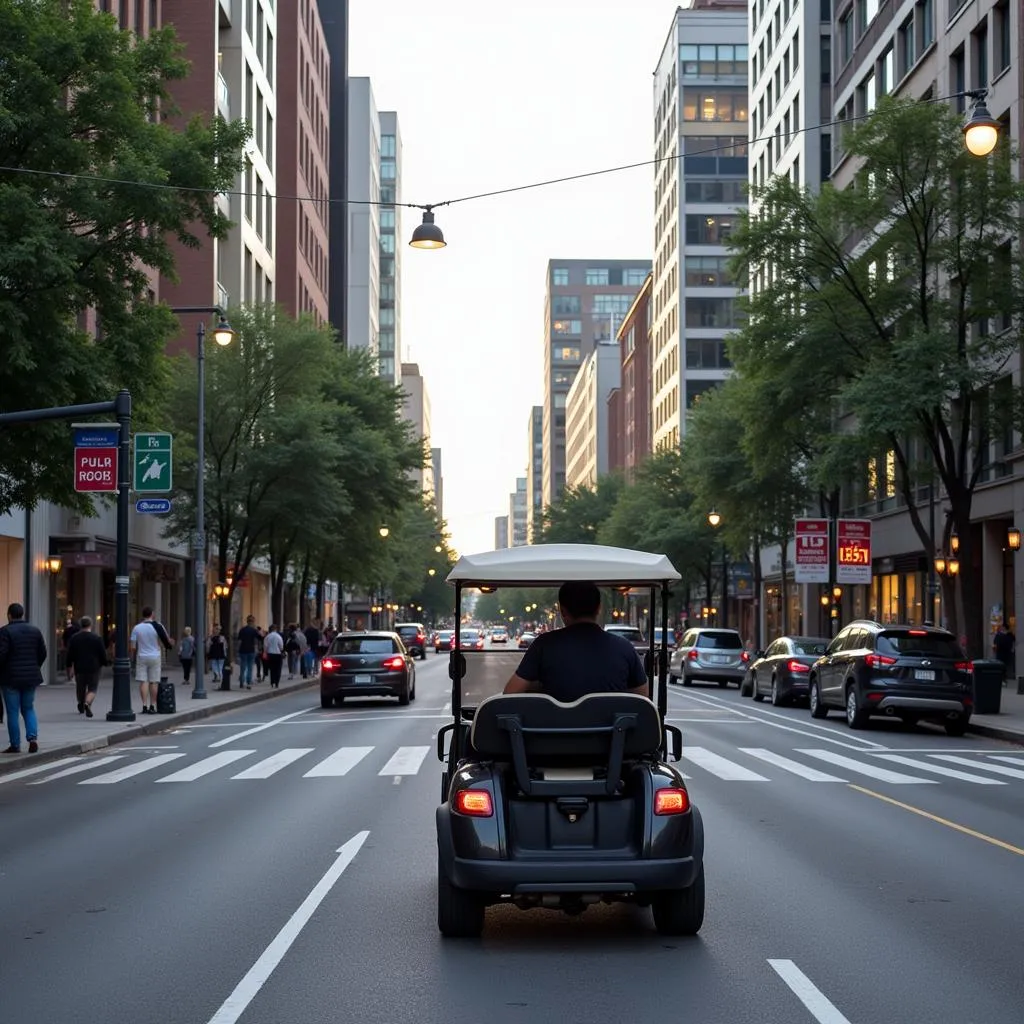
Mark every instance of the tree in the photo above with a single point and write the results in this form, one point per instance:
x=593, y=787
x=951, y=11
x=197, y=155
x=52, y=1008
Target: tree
x=84, y=140
x=904, y=301
x=576, y=517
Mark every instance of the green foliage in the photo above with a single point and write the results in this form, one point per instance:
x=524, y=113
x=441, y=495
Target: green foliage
x=578, y=514
x=512, y=602
x=78, y=100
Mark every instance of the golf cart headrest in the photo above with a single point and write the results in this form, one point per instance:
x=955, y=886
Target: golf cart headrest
x=552, y=733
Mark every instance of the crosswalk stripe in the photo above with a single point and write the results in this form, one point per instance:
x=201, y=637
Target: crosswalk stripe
x=206, y=765
x=996, y=769
x=130, y=770
x=341, y=762
x=405, y=761
x=1007, y=760
x=871, y=770
x=803, y=770
x=720, y=766
x=77, y=769
x=269, y=765
x=937, y=769
x=38, y=769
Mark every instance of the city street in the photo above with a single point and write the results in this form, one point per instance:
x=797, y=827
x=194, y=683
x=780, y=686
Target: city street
x=277, y=863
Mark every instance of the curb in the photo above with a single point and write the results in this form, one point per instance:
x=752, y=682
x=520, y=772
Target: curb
x=149, y=728
x=996, y=733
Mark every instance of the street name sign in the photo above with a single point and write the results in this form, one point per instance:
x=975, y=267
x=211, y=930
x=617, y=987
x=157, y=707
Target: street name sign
x=96, y=435
x=853, y=551
x=96, y=469
x=153, y=506
x=152, y=463
x=811, y=564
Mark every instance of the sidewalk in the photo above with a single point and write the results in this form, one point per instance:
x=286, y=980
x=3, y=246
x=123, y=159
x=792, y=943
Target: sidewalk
x=64, y=732
x=1009, y=723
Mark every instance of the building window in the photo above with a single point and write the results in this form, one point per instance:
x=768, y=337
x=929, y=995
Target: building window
x=608, y=304
x=958, y=78
x=714, y=105
x=560, y=277
x=707, y=272
x=567, y=327
x=715, y=190
x=710, y=313
x=706, y=354
x=387, y=170
x=387, y=266
x=387, y=244
x=867, y=95
x=979, y=56
x=567, y=354
x=387, y=220
x=716, y=145
x=906, y=52
x=1002, y=45
x=845, y=37
x=565, y=305
x=387, y=146
x=926, y=21
x=886, y=72
x=386, y=340
x=386, y=317
x=696, y=388
x=712, y=229
x=710, y=61
x=826, y=60
x=596, y=277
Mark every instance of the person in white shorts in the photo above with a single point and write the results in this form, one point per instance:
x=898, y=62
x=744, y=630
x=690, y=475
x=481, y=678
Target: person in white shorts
x=147, y=640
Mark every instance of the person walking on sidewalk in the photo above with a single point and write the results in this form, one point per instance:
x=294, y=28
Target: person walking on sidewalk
x=248, y=642
x=312, y=654
x=273, y=648
x=293, y=649
x=22, y=653
x=1003, y=643
x=87, y=654
x=148, y=640
x=216, y=652
x=186, y=652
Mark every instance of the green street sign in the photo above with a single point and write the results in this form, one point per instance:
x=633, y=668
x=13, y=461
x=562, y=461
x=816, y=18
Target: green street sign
x=152, y=464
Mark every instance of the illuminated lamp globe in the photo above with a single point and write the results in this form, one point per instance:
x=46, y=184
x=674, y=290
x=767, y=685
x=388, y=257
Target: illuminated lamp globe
x=427, y=235
x=981, y=130
x=223, y=333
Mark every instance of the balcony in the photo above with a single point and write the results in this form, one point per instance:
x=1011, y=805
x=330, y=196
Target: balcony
x=223, y=298
x=223, y=97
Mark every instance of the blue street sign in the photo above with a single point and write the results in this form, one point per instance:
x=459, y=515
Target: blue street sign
x=157, y=506
x=96, y=435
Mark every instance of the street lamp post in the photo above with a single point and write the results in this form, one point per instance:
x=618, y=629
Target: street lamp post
x=715, y=520
x=223, y=335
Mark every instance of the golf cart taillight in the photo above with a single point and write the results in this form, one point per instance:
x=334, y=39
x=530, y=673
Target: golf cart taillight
x=328, y=663
x=475, y=802
x=394, y=664
x=693, y=655
x=671, y=801
x=797, y=666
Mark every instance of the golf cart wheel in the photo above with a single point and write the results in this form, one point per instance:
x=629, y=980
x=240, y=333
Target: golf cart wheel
x=680, y=911
x=460, y=914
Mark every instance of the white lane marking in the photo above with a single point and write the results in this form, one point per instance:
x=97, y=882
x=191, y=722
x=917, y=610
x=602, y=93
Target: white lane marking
x=129, y=770
x=803, y=770
x=258, y=728
x=822, y=732
x=710, y=721
x=720, y=766
x=166, y=746
x=984, y=766
x=882, y=774
x=256, y=977
x=405, y=761
x=1007, y=760
x=37, y=769
x=206, y=765
x=76, y=769
x=270, y=765
x=937, y=769
x=355, y=717
x=341, y=762
x=821, y=1008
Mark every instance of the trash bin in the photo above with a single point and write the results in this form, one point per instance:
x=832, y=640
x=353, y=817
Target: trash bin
x=225, y=678
x=988, y=686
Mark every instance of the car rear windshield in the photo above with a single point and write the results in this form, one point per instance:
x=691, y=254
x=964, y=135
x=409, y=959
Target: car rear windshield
x=629, y=634
x=363, y=645
x=809, y=646
x=928, y=646
x=408, y=630
x=720, y=641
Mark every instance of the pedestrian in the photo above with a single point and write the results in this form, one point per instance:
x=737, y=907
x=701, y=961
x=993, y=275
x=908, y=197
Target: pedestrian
x=248, y=640
x=216, y=652
x=273, y=648
x=186, y=652
x=22, y=653
x=87, y=654
x=70, y=629
x=300, y=637
x=312, y=653
x=261, y=655
x=148, y=641
x=293, y=649
x=1003, y=644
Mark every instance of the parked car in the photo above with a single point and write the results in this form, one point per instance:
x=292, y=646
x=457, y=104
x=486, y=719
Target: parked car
x=710, y=655
x=671, y=638
x=414, y=636
x=443, y=640
x=783, y=670
x=908, y=672
x=525, y=639
x=367, y=665
x=630, y=633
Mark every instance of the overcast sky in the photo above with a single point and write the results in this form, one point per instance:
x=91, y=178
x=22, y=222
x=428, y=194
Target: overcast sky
x=491, y=96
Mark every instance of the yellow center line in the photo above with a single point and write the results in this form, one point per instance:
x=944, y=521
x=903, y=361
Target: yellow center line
x=942, y=821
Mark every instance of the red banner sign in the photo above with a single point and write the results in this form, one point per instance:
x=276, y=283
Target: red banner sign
x=853, y=551
x=96, y=469
x=811, y=563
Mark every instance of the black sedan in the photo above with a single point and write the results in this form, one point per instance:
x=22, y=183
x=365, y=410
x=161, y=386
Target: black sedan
x=782, y=671
x=367, y=665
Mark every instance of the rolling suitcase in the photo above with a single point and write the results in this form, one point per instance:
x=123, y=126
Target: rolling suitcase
x=165, y=697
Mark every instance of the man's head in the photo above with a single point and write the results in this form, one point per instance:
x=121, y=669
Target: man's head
x=579, y=602
x=15, y=612
x=250, y=620
x=85, y=622
x=147, y=612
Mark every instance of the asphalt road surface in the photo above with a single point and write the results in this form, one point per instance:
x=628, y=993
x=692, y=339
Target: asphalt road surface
x=277, y=864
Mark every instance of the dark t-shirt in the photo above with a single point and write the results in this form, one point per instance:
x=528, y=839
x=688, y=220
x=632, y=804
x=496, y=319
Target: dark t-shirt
x=86, y=652
x=576, y=660
x=248, y=640
x=1003, y=643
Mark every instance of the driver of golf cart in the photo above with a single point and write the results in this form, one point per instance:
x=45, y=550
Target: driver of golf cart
x=580, y=658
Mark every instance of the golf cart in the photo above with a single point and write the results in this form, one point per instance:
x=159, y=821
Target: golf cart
x=557, y=805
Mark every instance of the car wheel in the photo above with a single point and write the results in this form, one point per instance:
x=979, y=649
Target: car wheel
x=687, y=681
x=956, y=727
x=403, y=697
x=460, y=914
x=680, y=911
x=818, y=710
x=423, y=654
x=777, y=699
x=326, y=701
x=856, y=717
x=673, y=679
x=754, y=691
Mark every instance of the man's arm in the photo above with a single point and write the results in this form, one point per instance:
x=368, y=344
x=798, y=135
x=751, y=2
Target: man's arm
x=638, y=677
x=526, y=678
x=519, y=685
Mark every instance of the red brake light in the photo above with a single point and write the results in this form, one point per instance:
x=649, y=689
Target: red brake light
x=797, y=666
x=328, y=663
x=745, y=656
x=964, y=666
x=879, y=661
x=475, y=802
x=420, y=638
x=671, y=801
x=917, y=632
x=693, y=655
x=394, y=663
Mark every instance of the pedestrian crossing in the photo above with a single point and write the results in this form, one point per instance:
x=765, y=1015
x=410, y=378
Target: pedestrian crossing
x=732, y=764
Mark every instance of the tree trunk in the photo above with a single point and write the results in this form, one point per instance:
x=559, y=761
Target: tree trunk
x=756, y=566
x=304, y=590
x=784, y=585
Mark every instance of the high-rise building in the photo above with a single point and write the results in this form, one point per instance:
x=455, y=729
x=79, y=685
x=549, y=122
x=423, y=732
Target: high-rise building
x=500, y=532
x=389, y=338
x=700, y=115
x=584, y=305
x=517, y=514
x=334, y=18
x=629, y=405
x=303, y=87
x=416, y=410
x=435, y=465
x=586, y=416
x=534, y=471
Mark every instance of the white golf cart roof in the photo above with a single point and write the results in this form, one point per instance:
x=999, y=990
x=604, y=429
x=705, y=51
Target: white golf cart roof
x=547, y=564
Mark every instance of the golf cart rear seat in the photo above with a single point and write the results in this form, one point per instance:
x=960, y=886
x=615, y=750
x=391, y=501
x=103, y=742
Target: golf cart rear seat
x=561, y=750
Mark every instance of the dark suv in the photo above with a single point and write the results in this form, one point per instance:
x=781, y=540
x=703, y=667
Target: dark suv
x=910, y=672
x=414, y=636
